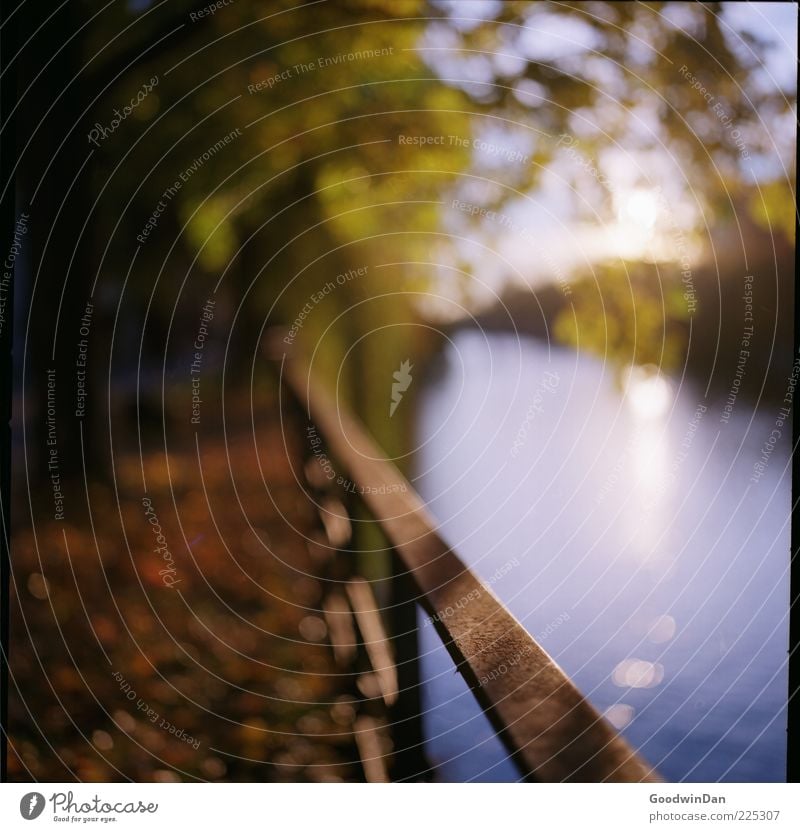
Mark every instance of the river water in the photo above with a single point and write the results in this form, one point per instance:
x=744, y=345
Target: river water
x=621, y=526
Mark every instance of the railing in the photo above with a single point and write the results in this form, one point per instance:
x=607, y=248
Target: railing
x=550, y=730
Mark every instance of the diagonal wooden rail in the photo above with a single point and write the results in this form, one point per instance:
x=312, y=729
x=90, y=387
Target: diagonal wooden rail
x=549, y=728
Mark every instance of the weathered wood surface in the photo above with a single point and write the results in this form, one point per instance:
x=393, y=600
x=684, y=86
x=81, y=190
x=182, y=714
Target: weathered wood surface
x=339, y=620
x=374, y=636
x=551, y=730
x=367, y=733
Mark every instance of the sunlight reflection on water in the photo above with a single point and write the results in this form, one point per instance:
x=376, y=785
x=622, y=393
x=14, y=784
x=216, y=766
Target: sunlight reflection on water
x=647, y=565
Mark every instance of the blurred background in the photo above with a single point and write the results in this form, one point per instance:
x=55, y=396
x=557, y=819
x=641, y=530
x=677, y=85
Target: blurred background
x=571, y=223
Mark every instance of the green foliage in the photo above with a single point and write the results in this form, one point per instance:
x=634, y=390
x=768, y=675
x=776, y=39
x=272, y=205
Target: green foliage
x=632, y=314
x=774, y=207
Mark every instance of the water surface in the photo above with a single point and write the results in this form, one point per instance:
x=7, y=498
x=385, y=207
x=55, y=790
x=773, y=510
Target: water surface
x=624, y=531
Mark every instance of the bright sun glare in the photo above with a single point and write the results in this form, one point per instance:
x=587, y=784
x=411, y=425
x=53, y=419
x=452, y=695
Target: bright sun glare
x=647, y=392
x=638, y=207
x=634, y=234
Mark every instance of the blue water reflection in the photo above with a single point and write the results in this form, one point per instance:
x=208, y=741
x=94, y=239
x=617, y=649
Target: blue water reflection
x=620, y=525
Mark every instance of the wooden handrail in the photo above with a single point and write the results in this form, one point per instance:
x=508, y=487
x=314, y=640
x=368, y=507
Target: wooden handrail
x=549, y=728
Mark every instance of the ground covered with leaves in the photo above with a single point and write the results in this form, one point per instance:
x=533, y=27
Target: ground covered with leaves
x=169, y=628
